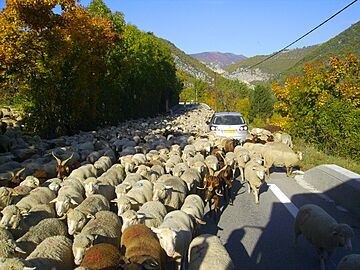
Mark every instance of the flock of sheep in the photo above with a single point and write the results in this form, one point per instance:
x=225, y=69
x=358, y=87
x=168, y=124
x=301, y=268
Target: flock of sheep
x=134, y=196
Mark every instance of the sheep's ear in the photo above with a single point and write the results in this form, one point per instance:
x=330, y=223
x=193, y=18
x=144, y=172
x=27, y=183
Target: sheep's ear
x=114, y=201
x=200, y=221
x=54, y=200
x=168, y=187
x=29, y=268
x=91, y=216
x=73, y=201
x=132, y=201
x=18, y=249
x=155, y=230
x=24, y=212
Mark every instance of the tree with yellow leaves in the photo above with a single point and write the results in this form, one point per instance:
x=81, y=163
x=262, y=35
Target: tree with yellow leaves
x=323, y=105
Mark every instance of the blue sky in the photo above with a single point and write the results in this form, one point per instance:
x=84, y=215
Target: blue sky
x=248, y=27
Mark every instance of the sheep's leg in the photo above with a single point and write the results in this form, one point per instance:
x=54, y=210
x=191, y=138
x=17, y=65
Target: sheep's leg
x=249, y=188
x=288, y=171
x=256, y=193
x=241, y=174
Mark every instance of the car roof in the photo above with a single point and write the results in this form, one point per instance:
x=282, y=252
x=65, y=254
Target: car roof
x=227, y=113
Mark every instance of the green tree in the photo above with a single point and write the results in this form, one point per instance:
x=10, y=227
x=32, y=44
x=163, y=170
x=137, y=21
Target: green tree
x=261, y=101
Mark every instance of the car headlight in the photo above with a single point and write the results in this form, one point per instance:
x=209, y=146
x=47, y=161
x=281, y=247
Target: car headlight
x=213, y=128
x=243, y=128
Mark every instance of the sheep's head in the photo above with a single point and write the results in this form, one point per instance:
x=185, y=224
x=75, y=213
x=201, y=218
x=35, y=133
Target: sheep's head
x=11, y=217
x=343, y=233
x=76, y=220
x=80, y=245
x=167, y=239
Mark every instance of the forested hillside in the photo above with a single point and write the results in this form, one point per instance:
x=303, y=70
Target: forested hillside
x=81, y=68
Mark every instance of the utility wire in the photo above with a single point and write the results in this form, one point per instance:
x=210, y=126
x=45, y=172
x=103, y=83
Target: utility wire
x=271, y=56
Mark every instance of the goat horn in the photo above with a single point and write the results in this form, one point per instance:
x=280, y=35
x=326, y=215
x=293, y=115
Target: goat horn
x=66, y=160
x=19, y=172
x=57, y=159
x=221, y=195
x=201, y=188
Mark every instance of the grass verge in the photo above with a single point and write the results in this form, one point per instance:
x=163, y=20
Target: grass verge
x=313, y=157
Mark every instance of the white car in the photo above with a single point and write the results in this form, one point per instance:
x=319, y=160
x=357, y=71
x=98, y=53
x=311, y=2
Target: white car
x=229, y=124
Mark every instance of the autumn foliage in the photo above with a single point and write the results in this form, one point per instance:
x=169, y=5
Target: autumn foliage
x=323, y=105
x=68, y=67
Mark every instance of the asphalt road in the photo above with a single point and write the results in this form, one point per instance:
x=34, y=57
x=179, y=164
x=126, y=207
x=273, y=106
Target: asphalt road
x=260, y=237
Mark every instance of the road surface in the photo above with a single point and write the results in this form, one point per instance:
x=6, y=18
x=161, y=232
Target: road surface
x=260, y=237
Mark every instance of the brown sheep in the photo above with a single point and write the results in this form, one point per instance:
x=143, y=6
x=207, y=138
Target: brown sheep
x=141, y=247
x=101, y=256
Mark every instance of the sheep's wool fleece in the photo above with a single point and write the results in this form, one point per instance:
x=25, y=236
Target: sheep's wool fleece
x=207, y=252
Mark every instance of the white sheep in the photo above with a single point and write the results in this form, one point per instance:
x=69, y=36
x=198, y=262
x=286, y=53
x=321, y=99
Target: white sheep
x=279, y=154
x=39, y=232
x=140, y=193
x=83, y=172
x=175, y=234
x=349, y=262
x=192, y=178
x=70, y=194
x=104, y=227
x=171, y=191
x=255, y=178
x=150, y=213
x=322, y=231
x=103, y=164
x=194, y=206
x=77, y=217
x=207, y=252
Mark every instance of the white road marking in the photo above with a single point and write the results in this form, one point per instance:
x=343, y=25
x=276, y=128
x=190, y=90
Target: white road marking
x=284, y=199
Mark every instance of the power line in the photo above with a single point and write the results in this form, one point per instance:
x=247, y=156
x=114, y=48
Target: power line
x=271, y=56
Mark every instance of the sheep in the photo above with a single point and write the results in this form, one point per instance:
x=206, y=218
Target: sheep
x=77, y=217
x=39, y=232
x=151, y=214
x=70, y=195
x=39, y=195
x=171, y=191
x=242, y=156
x=113, y=176
x=8, y=247
x=102, y=164
x=255, y=177
x=6, y=196
x=194, y=206
x=140, y=193
x=175, y=234
x=83, y=172
x=349, y=262
x=104, y=227
x=212, y=162
x=322, y=231
x=52, y=253
x=19, y=222
x=142, y=248
x=278, y=154
x=283, y=138
x=207, y=252
x=95, y=186
x=101, y=256
x=179, y=169
x=192, y=178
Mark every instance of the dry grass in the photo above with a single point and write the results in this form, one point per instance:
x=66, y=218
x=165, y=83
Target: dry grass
x=313, y=157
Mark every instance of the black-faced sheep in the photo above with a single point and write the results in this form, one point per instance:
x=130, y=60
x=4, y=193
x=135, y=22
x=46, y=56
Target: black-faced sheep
x=322, y=231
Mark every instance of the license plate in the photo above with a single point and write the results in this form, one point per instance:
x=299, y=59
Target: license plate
x=229, y=131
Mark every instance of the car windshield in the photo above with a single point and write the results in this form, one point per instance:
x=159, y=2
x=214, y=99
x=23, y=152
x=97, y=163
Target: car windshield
x=228, y=120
